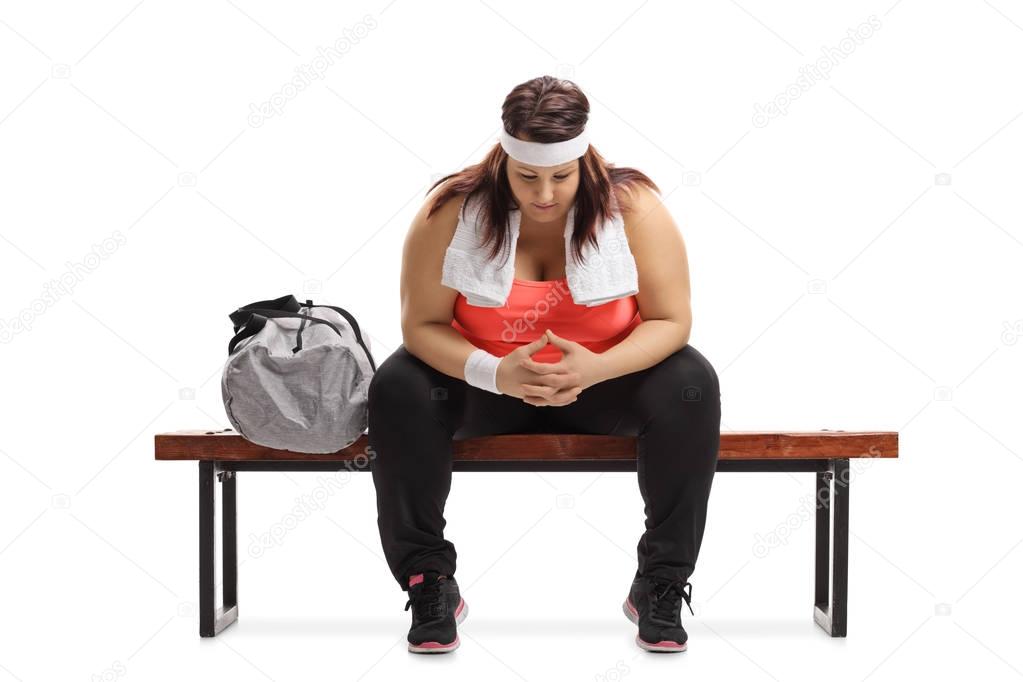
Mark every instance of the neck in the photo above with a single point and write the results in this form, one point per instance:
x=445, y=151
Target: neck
x=554, y=228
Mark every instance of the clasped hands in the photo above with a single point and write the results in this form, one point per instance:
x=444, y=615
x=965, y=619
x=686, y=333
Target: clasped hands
x=549, y=383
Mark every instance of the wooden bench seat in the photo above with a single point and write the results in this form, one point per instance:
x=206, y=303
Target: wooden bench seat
x=222, y=454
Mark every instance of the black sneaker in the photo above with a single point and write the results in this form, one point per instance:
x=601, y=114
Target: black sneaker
x=655, y=605
x=437, y=608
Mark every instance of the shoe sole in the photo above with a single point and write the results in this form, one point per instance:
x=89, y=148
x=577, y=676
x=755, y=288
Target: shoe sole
x=665, y=646
x=439, y=647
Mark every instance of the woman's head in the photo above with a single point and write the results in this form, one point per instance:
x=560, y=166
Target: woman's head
x=545, y=110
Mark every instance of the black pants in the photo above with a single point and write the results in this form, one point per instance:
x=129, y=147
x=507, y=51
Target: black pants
x=415, y=411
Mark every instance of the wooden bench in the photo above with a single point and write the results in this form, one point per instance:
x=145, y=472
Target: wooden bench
x=222, y=454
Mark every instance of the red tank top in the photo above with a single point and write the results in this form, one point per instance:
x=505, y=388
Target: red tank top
x=534, y=306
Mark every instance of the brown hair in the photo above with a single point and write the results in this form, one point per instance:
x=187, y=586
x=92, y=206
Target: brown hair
x=544, y=109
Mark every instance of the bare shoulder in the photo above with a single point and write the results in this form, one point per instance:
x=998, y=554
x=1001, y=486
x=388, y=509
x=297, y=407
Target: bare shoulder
x=429, y=235
x=644, y=214
x=660, y=254
x=440, y=226
x=424, y=298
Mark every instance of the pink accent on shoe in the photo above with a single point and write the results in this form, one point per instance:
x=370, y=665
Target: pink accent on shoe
x=434, y=647
x=666, y=644
x=461, y=605
x=663, y=645
x=415, y=579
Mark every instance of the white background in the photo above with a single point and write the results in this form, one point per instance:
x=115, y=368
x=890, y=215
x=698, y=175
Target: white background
x=854, y=263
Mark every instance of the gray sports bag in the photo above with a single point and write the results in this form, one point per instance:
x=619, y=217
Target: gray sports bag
x=297, y=376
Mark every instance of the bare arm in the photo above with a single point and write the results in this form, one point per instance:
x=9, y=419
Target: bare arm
x=427, y=306
x=664, y=296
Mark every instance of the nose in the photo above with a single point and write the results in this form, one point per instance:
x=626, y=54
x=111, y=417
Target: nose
x=546, y=195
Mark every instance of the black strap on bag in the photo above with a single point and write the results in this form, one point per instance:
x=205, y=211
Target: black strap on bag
x=257, y=318
x=288, y=304
x=355, y=327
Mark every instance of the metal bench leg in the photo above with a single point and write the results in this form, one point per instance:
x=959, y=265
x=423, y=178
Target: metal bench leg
x=213, y=619
x=832, y=491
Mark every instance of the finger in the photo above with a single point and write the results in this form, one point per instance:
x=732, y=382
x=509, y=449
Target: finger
x=543, y=367
x=530, y=348
x=560, y=398
x=563, y=344
x=543, y=402
x=563, y=380
x=565, y=397
x=538, y=343
x=538, y=391
x=558, y=381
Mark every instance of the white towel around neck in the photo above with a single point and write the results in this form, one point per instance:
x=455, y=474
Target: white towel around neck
x=608, y=273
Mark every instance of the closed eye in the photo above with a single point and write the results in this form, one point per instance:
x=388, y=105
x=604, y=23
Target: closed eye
x=533, y=177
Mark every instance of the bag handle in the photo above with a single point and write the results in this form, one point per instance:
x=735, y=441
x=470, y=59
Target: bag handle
x=287, y=303
x=355, y=327
x=258, y=318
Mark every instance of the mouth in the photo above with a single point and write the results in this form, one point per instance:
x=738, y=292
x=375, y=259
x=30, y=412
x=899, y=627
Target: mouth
x=544, y=208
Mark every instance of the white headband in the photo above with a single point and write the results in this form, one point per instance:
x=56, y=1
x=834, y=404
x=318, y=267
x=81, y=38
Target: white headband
x=545, y=153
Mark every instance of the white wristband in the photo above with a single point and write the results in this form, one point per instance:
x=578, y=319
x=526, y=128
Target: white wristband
x=481, y=370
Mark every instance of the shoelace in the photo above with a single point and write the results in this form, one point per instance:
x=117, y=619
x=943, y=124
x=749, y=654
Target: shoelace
x=427, y=600
x=666, y=599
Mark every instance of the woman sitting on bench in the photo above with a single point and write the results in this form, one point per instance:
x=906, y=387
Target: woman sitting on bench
x=581, y=304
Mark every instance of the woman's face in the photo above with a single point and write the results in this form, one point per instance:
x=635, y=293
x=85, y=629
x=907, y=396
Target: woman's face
x=536, y=187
